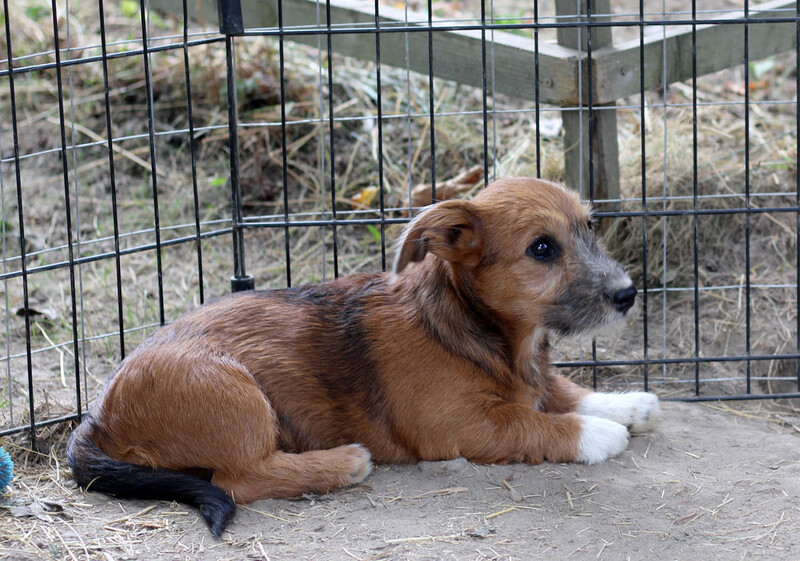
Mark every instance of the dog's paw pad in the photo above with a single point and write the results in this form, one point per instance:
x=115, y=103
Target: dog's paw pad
x=360, y=464
x=600, y=439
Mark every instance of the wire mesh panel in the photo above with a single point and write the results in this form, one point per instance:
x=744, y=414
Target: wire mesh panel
x=152, y=152
x=104, y=227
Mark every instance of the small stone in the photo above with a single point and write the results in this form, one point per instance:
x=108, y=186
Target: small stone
x=481, y=532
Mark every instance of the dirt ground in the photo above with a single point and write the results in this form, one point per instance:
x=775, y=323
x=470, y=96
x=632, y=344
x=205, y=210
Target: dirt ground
x=706, y=484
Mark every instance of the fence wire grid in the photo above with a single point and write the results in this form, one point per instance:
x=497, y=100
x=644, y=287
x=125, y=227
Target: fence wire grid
x=154, y=155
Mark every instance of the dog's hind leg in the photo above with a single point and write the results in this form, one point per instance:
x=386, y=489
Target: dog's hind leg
x=283, y=475
x=194, y=408
x=184, y=407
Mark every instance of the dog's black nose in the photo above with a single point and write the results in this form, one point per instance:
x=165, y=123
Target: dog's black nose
x=624, y=298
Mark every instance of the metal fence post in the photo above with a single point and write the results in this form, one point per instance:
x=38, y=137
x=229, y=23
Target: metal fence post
x=230, y=17
x=231, y=23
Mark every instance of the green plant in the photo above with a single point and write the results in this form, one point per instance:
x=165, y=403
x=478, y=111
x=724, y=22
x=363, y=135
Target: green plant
x=376, y=234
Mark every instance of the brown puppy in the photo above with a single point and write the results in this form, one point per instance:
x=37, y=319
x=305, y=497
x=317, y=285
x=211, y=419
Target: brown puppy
x=280, y=393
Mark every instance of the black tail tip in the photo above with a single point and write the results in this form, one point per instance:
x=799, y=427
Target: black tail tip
x=218, y=514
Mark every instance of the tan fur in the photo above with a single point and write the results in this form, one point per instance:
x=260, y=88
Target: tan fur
x=447, y=358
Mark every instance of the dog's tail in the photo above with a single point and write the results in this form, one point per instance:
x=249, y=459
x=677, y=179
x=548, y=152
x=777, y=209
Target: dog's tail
x=94, y=470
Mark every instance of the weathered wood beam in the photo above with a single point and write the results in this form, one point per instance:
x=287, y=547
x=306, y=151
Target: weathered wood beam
x=719, y=46
x=457, y=54
x=591, y=165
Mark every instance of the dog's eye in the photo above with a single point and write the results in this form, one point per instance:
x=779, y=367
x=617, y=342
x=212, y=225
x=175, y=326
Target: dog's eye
x=542, y=249
x=592, y=224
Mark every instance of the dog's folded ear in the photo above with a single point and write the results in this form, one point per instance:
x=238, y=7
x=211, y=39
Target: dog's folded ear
x=451, y=230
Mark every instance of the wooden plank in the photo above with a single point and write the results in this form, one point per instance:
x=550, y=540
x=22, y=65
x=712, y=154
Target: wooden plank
x=457, y=54
x=718, y=47
x=579, y=149
x=576, y=37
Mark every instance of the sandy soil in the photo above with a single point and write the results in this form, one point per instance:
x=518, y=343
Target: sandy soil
x=705, y=485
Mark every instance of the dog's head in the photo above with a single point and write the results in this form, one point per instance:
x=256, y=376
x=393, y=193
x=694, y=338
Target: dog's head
x=529, y=250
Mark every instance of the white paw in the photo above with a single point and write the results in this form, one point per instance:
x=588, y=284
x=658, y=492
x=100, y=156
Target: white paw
x=361, y=463
x=601, y=439
x=639, y=411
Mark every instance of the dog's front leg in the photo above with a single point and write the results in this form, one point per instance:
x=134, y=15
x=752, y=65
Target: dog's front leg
x=515, y=432
x=639, y=411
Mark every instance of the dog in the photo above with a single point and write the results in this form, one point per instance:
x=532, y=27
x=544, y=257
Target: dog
x=274, y=394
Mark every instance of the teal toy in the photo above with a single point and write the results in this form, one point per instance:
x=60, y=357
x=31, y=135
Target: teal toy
x=6, y=469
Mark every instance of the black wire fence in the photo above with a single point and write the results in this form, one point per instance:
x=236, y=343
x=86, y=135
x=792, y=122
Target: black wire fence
x=148, y=152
